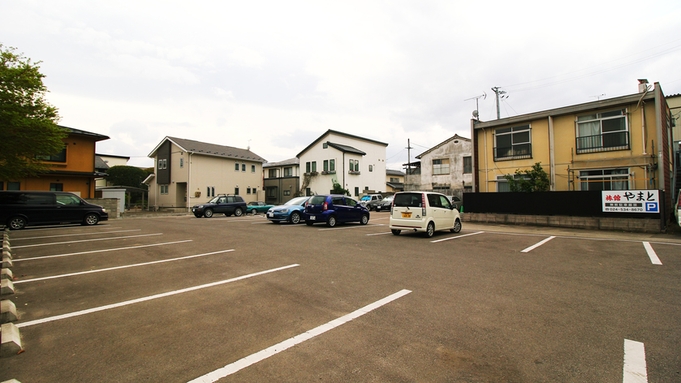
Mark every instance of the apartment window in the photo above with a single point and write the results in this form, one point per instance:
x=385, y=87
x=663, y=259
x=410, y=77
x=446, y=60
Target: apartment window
x=604, y=179
x=371, y=168
x=254, y=191
x=248, y=190
x=236, y=166
x=356, y=191
x=210, y=191
x=441, y=166
x=272, y=173
x=332, y=165
x=326, y=165
x=512, y=143
x=252, y=168
x=288, y=172
x=236, y=191
x=503, y=185
x=164, y=189
x=56, y=187
x=467, y=165
x=394, y=180
x=243, y=167
x=59, y=157
x=602, y=132
x=181, y=162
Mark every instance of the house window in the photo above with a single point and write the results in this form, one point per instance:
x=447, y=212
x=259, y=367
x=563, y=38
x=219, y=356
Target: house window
x=210, y=191
x=394, y=180
x=602, y=131
x=332, y=165
x=308, y=166
x=243, y=167
x=604, y=179
x=236, y=166
x=467, y=165
x=288, y=172
x=248, y=190
x=314, y=166
x=181, y=162
x=59, y=157
x=371, y=168
x=287, y=193
x=163, y=163
x=272, y=173
x=512, y=143
x=254, y=191
x=13, y=186
x=354, y=166
x=252, y=168
x=164, y=189
x=326, y=165
x=356, y=191
x=441, y=166
x=236, y=191
x=56, y=187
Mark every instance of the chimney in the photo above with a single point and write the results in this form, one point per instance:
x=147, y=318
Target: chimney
x=642, y=85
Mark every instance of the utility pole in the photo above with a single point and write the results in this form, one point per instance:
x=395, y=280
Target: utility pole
x=409, y=148
x=501, y=93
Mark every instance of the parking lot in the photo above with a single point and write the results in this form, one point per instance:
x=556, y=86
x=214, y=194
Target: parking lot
x=239, y=299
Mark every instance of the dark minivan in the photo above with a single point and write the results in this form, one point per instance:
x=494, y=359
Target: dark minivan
x=21, y=208
x=334, y=208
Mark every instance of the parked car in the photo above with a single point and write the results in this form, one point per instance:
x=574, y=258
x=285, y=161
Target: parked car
x=225, y=204
x=424, y=212
x=385, y=204
x=370, y=201
x=333, y=209
x=256, y=207
x=21, y=208
x=291, y=211
x=677, y=209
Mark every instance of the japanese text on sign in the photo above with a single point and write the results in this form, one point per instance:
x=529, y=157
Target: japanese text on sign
x=631, y=201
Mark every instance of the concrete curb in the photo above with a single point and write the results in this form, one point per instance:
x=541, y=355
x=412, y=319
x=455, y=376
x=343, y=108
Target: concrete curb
x=11, y=341
x=8, y=311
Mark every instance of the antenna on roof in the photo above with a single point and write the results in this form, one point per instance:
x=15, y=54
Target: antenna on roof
x=476, y=112
x=249, y=145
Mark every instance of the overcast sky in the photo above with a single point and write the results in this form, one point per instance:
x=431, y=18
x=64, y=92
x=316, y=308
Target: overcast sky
x=275, y=75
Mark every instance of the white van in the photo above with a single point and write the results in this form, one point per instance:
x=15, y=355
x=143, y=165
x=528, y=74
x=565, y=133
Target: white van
x=423, y=212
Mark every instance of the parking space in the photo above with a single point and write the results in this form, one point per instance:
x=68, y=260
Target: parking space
x=179, y=299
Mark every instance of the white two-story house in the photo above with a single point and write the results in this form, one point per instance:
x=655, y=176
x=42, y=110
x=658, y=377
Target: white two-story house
x=356, y=163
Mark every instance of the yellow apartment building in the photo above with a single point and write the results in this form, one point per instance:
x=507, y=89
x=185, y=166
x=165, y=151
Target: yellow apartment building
x=621, y=143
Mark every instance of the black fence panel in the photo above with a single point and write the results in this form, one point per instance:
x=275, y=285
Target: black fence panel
x=564, y=203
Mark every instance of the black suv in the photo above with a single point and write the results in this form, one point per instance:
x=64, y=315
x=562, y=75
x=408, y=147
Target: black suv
x=227, y=204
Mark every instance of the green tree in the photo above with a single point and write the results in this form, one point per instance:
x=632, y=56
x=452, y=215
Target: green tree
x=28, y=123
x=529, y=180
x=123, y=175
x=338, y=189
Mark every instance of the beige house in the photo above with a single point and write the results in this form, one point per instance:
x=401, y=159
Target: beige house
x=281, y=180
x=356, y=163
x=189, y=172
x=446, y=168
x=394, y=181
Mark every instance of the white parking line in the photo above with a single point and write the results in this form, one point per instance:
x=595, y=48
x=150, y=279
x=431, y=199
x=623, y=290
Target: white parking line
x=384, y=233
x=288, y=343
x=99, y=251
x=86, y=240
x=122, y=267
x=151, y=297
x=634, y=370
x=74, y=234
x=457, y=237
x=651, y=254
x=536, y=245
x=350, y=227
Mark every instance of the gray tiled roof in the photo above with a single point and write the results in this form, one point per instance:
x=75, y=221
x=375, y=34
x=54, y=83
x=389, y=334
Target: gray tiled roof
x=198, y=147
x=345, y=148
x=290, y=161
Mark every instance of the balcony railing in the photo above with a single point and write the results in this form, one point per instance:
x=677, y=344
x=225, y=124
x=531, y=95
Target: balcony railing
x=513, y=152
x=603, y=142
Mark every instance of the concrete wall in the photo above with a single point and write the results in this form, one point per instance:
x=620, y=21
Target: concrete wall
x=645, y=225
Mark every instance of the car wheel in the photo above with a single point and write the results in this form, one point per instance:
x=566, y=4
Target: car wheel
x=90, y=219
x=198, y=215
x=238, y=212
x=16, y=223
x=365, y=219
x=396, y=232
x=331, y=221
x=430, y=230
x=254, y=212
x=457, y=227
x=308, y=223
x=208, y=213
x=295, y=217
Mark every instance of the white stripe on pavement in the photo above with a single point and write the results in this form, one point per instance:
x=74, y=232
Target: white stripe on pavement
x=86, y=240
x=651, y=254
x=634, y=370
x=151, y=297
x=74, y=235
x=100, y=251
x=121, y=267
x=288, y=343
x=457, y=237
x=536, y=245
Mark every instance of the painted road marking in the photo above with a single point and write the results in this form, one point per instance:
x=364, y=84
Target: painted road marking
x=457, y=237
x=74, y=234
x=651, y=254
x=300, y=338
x=149, y=298
x=634, y=370
x=86, y=240
x=100, y=251
x=351, y=227
x=121, y=267
x=536, y=245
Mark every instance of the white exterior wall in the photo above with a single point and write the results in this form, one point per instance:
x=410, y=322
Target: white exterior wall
x=455, y=152
x=322, y=184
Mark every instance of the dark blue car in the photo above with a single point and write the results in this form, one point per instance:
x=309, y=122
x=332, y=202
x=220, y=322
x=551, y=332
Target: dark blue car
x=291, y=211
x=333, y=209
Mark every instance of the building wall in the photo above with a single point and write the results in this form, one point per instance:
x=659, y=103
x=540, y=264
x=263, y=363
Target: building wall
x=322, y=183
x=281, y=188
x=453, y=182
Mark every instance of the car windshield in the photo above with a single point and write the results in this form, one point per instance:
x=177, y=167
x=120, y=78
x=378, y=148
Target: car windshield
x=296, y=201
x=366, y=198
x=214, y=200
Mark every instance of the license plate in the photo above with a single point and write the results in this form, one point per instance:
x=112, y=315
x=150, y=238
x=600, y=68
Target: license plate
x=406, y=214
x=312, y=218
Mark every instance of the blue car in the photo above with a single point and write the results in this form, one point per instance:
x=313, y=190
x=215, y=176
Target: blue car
x=291, y=211
x=333, y=209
